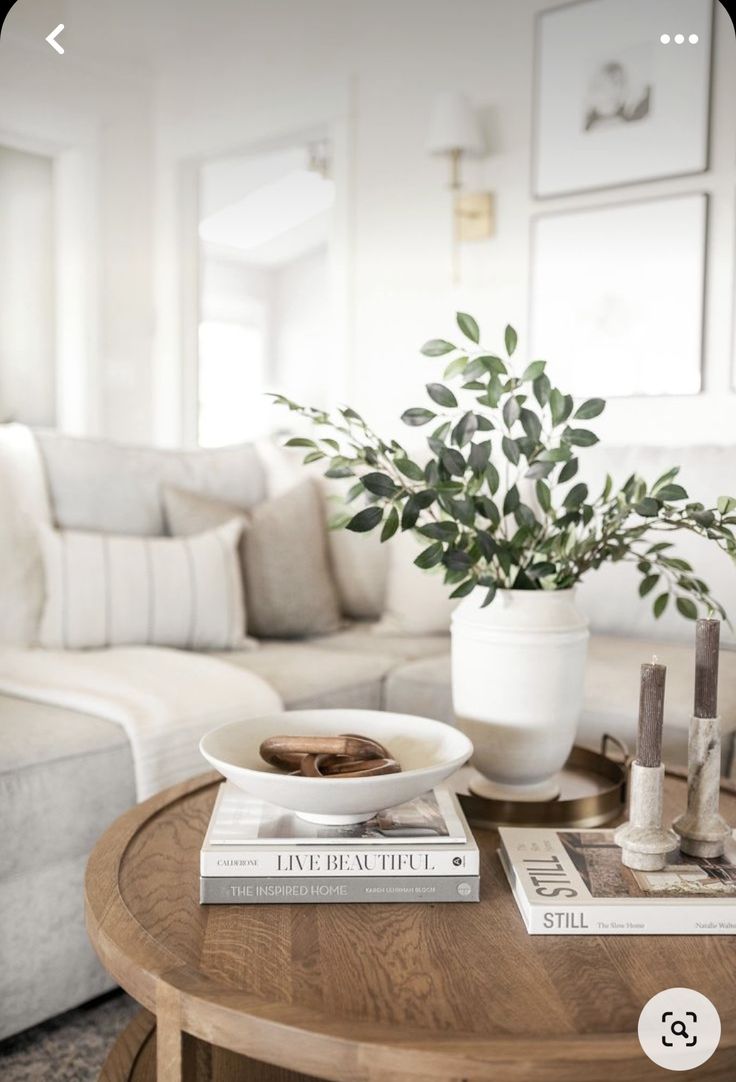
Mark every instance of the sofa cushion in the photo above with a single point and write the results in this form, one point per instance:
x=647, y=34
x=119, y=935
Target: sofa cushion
x=307, y=676
x=289, y=590
x=359, y=563
x=360, y=638
x=421, y=687
x=611, y=691
x=417, y=602
x=111, y=590
x=359, y=560
x=609, y=596
x=23, y=504
x=64, y=777
x=113, y=488
x=48, y=965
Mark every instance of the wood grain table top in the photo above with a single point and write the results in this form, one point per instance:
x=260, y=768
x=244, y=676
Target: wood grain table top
x=362, y=992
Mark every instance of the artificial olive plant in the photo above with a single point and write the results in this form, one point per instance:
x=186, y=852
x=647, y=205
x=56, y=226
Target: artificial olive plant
x=496, y=496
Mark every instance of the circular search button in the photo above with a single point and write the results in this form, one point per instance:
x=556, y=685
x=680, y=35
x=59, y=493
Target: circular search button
x=679, y=1029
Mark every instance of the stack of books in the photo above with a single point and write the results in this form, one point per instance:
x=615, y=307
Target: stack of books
x=572, y=882
x=421, y=851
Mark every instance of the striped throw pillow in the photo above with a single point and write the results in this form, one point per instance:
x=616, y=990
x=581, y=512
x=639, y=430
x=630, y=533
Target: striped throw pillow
x=111, y=590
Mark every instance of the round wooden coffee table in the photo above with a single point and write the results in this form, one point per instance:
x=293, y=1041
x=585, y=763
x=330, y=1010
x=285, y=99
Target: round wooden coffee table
x=369, y=992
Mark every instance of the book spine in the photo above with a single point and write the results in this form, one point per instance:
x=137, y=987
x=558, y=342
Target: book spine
x=260, y=862
x=647, y=919
x=215, y=890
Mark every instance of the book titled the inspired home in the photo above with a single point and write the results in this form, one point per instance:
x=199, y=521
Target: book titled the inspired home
x=439, y=888
x=572, y=882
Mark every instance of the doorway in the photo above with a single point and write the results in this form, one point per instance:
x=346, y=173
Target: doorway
x=265, y=233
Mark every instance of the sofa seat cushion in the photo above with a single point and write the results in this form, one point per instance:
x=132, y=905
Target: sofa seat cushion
x=307, y=675
x=611, y=691
x=64, y=777
x=361, y=638
x=421, y=687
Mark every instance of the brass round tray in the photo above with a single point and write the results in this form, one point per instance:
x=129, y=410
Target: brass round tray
x=592, y=792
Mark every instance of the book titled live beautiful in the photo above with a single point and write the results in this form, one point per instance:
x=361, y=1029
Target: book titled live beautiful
x=249, y=838
x=572, y=882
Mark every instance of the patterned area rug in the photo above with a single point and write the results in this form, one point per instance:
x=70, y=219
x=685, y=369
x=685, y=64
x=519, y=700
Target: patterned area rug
x=69, y=1048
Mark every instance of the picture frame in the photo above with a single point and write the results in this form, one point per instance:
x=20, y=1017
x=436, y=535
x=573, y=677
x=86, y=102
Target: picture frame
x=614, y=103
x=617, y=296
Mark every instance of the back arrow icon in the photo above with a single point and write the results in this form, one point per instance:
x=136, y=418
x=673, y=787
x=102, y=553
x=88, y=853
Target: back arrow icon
x=51, y=39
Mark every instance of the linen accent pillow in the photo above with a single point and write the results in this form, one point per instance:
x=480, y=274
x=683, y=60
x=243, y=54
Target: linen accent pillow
x=289, y=590
x=417, y=602
x=110, y=590
x=359, y=561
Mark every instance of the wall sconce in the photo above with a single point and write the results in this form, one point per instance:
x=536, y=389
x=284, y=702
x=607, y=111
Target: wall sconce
x=319, y=158
x=454, y=131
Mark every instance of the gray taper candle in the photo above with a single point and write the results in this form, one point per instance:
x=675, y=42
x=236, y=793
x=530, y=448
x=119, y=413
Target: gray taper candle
x=707, y=644
x=651, y=713
x=644, y=841
x=703, y=831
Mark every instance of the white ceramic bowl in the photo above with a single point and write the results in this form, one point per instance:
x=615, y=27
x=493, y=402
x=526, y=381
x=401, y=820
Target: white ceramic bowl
x=428, y=751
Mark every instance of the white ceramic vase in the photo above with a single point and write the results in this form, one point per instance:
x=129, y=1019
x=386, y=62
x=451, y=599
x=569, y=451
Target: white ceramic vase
x=518, y=670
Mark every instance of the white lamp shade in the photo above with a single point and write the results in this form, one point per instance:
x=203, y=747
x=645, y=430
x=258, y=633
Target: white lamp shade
x=454, y=126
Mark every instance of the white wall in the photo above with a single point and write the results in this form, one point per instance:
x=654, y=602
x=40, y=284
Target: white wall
x=231, y=77
x=375, y=69
x=27, y=350
x=92, y=116
x=234, y=292
x=402, y=216
x=301, y=327
x=288, y=303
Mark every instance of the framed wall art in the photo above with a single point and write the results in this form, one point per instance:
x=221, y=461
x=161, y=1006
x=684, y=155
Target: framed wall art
x=622, y=93
x=617, y=296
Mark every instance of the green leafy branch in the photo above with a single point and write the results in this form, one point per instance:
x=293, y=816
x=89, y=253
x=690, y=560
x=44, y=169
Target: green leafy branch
x=497, y=496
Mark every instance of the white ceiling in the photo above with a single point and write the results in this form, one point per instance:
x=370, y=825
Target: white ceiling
x=227, y=179
x=287, y=248
x=230, y=188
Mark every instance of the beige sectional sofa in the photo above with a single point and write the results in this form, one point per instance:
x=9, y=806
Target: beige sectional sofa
x=64, y=775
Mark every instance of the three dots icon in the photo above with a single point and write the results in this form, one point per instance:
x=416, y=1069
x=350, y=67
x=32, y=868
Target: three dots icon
x=679, y=39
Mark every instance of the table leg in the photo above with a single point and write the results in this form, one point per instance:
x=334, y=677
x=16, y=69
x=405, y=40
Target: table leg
x=179, y=1056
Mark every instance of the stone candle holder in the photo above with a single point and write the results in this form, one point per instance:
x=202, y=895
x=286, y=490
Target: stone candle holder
x=703, y=830
x=644, y=841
